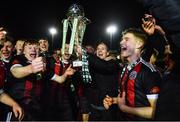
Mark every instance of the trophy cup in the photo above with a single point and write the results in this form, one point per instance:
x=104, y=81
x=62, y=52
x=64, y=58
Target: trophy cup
x=77, y=22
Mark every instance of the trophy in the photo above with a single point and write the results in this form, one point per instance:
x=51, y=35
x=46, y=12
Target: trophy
x=77, y=22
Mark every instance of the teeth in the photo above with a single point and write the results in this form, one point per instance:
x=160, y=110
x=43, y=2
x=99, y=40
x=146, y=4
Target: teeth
x=32, y=54
x=123, y=48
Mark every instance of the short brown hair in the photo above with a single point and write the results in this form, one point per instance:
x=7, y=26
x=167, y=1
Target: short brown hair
x=31, y=42
x=137, y=32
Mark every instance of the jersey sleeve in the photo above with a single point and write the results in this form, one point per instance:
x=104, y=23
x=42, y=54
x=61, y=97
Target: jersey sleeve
x=152, y=82
x=18, y=61
x=2, y=78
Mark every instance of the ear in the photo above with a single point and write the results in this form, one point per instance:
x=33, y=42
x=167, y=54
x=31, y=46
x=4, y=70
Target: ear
x=139, y=44
x=108, y=53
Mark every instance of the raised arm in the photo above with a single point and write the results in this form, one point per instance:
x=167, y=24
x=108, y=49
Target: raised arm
x=60, y=79
x=20, y=71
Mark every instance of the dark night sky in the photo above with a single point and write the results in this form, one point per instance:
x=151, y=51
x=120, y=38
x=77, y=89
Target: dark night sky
x=31, y=19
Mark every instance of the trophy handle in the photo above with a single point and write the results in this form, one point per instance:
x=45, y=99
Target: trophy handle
x=75, y=23
x=65, y=29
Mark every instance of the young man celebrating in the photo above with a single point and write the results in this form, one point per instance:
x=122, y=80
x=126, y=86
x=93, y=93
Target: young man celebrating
x=29, y=71
x=139, y=82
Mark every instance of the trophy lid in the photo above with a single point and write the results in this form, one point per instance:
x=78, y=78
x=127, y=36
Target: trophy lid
x=75, y=11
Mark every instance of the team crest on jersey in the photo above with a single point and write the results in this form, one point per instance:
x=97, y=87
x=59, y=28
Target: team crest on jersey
x=132, y=75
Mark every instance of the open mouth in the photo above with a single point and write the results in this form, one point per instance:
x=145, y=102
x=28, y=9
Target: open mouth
x=100, y=55
x=33, y=55
x=6, y=54
x=123, y=48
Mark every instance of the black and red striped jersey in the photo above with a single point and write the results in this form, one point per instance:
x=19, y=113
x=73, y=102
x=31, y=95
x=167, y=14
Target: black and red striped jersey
x=141, y=80
x=27, y=88
x=2, y=76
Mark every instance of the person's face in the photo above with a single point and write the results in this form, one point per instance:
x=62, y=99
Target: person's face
x=102, y=51
x=31, y=51
x=6, y=50
x=128, y=45
x=89, y=49
x=19, y=47
x=56, y=54
x=66, y=55
x=44, y=45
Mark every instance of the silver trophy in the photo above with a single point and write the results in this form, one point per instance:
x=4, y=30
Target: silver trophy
x=77, y=23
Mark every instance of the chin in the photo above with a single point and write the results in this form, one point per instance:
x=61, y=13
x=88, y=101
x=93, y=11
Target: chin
x=102, y=58
x=5, y=57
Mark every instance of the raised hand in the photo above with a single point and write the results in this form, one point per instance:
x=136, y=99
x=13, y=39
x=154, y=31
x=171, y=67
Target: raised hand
x=2, y=33
x=38, y=65
x=69, y=71
x=148, y=26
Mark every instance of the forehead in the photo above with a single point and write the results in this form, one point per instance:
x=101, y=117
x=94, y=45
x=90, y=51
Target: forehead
x=31, y=45
x=20, y=42
x=128, y=35
x=102, y=45
x=8, y=43
x=43, y=40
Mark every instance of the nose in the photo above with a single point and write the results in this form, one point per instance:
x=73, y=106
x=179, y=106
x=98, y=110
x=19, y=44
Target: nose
x=121, y=42
x=4, y=48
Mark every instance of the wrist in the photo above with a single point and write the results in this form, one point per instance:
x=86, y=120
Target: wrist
x=14, y=104
x=63, y=77
x=114, y=100
x=122, y=107
x=30, y=69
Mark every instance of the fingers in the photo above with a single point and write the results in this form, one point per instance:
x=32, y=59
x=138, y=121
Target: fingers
x=69, y=71
x=21, y=115
x=69, y=66
x=107, y=102
x=147, y=24
x=106, y=106
x=38, y=65
x=18, y=112
x=15, y=113
x=123, y=94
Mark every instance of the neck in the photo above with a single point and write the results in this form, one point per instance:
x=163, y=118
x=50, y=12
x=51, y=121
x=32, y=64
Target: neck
x=6, y=60
x=64, y=60
x=133, y=58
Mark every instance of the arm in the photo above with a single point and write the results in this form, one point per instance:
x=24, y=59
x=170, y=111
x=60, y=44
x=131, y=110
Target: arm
x=60, y=79
x=103, y=66
x=20, y=71
x=144, y=112
x=6, y=99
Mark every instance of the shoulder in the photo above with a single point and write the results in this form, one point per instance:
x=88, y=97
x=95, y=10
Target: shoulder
x=19, y=59
x=147, y=66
